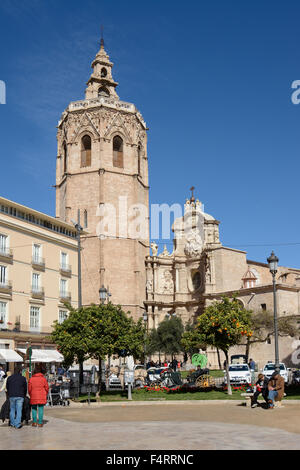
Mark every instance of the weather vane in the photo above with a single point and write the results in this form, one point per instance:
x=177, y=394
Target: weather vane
x=102, y=40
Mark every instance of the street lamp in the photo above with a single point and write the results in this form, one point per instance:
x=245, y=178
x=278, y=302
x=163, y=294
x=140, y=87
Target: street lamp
x=103, y=294
x=79, y=230
x=273, y=265
x=145, y=318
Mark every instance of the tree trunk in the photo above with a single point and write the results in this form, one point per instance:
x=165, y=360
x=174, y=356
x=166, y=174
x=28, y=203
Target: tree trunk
x=247, y=352
x=219, y=360
x=81, y=373
x=229, y=390
x=99, y=380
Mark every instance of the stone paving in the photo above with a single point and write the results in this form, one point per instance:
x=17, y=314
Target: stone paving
x=159, y=426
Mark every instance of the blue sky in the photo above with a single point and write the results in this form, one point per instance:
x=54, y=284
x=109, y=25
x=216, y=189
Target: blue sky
x=213, y=81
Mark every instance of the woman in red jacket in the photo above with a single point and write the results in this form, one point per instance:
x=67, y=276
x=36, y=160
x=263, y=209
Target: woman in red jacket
x=38, y=391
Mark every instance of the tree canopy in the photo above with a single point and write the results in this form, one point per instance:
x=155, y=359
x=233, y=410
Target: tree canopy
x=98, y=331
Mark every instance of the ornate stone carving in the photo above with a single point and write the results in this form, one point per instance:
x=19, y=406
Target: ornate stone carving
x=194, y=244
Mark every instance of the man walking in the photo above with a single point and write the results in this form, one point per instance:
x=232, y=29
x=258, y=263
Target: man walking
x=16, y=387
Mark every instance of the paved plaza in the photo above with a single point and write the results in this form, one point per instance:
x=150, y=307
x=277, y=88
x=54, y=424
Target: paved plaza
x=194, y=425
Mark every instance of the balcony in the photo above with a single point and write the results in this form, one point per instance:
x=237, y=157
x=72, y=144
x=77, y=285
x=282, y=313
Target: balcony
x=6, y=287
x=66, y=270
x=65, y=296
x=6, y=255
x=38, y=263
x=37, y=292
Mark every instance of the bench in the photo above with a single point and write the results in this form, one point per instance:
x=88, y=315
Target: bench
x=249, y=395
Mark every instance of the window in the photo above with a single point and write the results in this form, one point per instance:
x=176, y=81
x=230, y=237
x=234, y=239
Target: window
x=3, y=275
x=139, y=159
x=35, y=282
x=36, y=253
x=3, y=244
x=3, y=306
x=118, y=152
x=86, y=151
x=62, y=315
x=263, y=307
x=65, y=157
x=64, y=260
x=63, y=288
x=196, y=280
x=103, y=91
x=34, y=318
x=103, y=72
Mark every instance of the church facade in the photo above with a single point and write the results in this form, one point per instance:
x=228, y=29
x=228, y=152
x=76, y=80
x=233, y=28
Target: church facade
x=102, y=174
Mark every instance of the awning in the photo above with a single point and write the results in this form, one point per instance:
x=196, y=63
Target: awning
x=9, y=355
x=44, y=355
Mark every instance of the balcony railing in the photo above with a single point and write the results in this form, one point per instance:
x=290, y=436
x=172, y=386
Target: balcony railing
x=37, y=292
x=65, y=296
x=6, y=254
x=65, y=269
x=38, y=263
x=6, y=287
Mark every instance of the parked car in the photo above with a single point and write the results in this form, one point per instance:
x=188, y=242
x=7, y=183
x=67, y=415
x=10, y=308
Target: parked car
x=269, y=368
x=296, y=377
x=238, y=374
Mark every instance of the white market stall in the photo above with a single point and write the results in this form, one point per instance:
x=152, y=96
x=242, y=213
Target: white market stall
x=9, y=355
x=44, y=355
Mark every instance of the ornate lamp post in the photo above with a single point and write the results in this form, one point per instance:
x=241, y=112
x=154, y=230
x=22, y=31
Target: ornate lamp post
x=273, y=265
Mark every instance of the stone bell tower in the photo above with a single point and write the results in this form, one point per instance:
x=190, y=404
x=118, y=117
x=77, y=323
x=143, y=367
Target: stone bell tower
x=102, y=171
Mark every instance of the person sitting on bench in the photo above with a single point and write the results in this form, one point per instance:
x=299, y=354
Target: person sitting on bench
x=276, y=388
x=261, y=387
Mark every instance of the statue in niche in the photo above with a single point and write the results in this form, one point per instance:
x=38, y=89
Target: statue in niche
x=154, y=248
x=149, y=285
x=168, y=285
x=207, y=270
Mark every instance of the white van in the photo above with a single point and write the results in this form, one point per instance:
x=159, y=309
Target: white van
x=270, y=368
x=238, y=374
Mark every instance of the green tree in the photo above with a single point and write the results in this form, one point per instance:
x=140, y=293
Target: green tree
x=222, y=325
x=262, y=326
x=167, y=337
x=96, y=332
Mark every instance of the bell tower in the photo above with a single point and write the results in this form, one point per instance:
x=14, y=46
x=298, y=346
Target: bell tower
x=102, y=171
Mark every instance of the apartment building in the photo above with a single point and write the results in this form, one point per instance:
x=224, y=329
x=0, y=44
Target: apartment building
x=38, y=274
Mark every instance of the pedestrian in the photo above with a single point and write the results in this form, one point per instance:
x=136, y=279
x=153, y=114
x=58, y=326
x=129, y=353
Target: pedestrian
x=3, y=388
x=38, y=391
x=261, y=386
x=16, y=386
x=252, y=364
x=276, y=388
x=2, y=372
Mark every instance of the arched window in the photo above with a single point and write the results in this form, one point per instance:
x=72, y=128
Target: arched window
x=86, y=151
x=196, y=280
x=103, y=72
x=118, y=151
x=65, y=157
x=103, y=91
